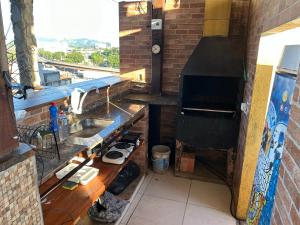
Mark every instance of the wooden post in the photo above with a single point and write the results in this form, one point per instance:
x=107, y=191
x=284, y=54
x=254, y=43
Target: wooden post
x=243, y=179
x=8, y=130
x=157, y=39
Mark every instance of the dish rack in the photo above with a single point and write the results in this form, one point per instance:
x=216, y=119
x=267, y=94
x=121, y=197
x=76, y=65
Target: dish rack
x=42, y=138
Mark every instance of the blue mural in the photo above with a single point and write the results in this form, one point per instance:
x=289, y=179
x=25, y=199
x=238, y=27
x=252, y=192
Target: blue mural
x=267, y=170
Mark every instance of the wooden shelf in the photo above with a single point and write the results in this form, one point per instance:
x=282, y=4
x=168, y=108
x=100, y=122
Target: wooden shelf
x=128, y=194
x=67, y=207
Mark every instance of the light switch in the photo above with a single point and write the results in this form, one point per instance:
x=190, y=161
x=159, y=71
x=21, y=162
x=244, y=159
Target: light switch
x=156, y=24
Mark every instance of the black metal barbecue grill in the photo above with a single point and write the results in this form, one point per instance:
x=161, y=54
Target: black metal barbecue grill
x=211, y=87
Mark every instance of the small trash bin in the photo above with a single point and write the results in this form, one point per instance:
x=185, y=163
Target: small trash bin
x=160, y=158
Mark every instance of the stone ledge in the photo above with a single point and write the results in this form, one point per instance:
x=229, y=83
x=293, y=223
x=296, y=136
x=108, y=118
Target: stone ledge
x=50, y=94
x=20, y=154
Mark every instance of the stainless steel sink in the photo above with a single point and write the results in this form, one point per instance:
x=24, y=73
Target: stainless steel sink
x=83, y=130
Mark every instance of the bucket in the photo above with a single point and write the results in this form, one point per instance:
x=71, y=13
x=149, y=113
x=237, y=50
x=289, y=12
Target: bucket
x=160, y=158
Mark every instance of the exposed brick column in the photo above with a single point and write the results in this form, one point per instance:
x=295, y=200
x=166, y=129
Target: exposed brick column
x=135, y=43
x=26, y=48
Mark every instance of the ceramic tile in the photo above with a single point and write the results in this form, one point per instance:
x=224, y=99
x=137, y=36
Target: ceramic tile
x=131, y=208
x=141, y=221
x=145, y=183
x=197, y=215
x=168, y=187
x=210, y=195
x=157, y=211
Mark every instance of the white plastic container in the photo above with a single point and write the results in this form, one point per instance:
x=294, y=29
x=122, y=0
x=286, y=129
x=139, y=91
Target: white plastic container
x=82, y=176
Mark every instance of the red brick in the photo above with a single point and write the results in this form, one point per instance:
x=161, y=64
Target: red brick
x=277, y=217
x=289, y=162
x=295, y=216
x=292, y=189
x=295, y=114
x=296, y=95
x=293, y=150
x=296, y=178
x=294, y=130
x=284, y=195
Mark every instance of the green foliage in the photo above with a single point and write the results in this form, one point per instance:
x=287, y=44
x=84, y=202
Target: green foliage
x=114, y=60
x=74, y=57
x=97, y=58
x=108, y=57
x=113, y=57
x=45, y=54
x=11, y=54
x=59, y=56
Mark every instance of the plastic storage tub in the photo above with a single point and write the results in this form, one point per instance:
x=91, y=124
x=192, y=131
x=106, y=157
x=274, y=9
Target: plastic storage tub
x=160, y=158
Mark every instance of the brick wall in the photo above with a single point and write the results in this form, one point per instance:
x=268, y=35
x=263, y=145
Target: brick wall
x=183, y=30
x=40, y=115
x=264, y=15
x=135, y=43
x=168, y=125
x=141, y=157
x=287, y=201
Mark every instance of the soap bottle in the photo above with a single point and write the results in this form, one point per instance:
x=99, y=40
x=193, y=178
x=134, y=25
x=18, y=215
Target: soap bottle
x=53, y=117
x=63, y=129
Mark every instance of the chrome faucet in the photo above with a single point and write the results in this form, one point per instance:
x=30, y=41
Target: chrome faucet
x=77, y=100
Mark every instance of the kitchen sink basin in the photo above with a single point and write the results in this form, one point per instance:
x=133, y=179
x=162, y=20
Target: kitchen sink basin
x=87, y=128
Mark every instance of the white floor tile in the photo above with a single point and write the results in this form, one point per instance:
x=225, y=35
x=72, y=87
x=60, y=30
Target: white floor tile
x=157, y=211
x=131, y=208
x=211, y=195
x=169, y=187
x=146, y=182
x=197, y=215
x=141, y=221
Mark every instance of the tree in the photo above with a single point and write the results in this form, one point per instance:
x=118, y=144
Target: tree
x=113, y=57
x=114, y=60
x=109, y=51
x=97, y=58
x=45, y=54
x=59, y=56
x=74, y=57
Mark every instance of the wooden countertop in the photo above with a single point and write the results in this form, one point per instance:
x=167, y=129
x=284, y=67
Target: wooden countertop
x=168, y=100
x=67, y=207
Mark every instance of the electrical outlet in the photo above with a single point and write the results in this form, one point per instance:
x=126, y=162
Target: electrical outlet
x=245, y=107
x=156, y=24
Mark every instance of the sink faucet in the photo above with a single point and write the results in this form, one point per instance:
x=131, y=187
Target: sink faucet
x=77, y=99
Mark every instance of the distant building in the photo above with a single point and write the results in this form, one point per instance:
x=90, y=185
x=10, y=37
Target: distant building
x=50, y=76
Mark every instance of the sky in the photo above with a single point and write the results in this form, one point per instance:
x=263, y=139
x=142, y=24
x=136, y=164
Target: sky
x=65, y=19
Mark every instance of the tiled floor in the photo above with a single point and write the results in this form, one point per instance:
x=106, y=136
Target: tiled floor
x=168, y=200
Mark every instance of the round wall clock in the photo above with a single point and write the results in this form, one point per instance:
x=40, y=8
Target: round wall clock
x=155, y=49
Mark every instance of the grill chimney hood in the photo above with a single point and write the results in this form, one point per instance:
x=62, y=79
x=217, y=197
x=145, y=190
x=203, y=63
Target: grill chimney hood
x=215, y=56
